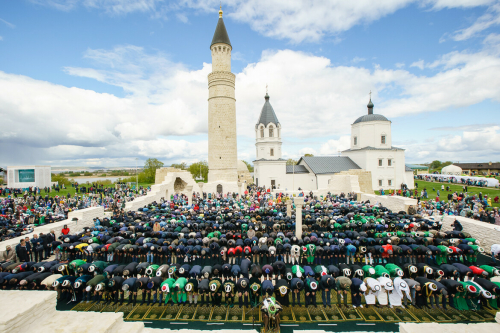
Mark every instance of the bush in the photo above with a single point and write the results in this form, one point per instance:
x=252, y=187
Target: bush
x=60, y=180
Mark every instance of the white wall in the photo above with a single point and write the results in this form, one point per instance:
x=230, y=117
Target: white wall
x=265, y=171
x=394, y=203
x=369, y=134
x=42, y=176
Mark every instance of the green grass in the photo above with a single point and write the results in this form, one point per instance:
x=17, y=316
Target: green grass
x=71, y=190
x=443, y=195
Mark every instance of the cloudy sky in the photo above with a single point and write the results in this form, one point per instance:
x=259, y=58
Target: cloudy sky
x=101, y=82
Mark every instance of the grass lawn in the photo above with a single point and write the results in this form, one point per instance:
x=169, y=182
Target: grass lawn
x=71, y=190
x=443, y=195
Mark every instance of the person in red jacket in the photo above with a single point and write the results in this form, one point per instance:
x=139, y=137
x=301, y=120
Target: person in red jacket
x=65, y=230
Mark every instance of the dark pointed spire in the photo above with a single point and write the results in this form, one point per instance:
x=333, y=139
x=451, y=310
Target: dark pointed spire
x=220, y=35
x=267, y=114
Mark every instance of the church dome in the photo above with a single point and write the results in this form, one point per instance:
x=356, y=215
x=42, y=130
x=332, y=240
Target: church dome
x=267, y=114
x=370, y=117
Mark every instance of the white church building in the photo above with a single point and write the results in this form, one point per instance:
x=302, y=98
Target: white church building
x=371, y=150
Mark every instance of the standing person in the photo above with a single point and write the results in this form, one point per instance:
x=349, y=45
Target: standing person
x=9, y=255
x=28, y=248
x=37, y=244
x=22, y=251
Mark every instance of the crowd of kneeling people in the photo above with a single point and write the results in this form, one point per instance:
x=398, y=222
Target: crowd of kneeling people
x=168, y=253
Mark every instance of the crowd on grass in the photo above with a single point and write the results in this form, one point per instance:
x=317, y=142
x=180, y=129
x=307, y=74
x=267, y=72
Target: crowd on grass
x=21, y=213
x=237, y=249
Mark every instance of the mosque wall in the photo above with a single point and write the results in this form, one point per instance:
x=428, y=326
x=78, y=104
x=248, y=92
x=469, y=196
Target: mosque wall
x=487, y=234
x=394, y=203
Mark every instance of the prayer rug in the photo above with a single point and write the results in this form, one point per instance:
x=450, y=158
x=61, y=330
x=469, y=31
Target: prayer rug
x=82, y=306
x=333, y=313
x=369, y=314
x=316, y=313
x=235, y=314
x=454, y=315
x=218, y=313
x=387, y=315
x=97, y=307
x=421, y=315
x=187, y=312
x=438, y=315
x=301, y=315
x=202, y=313
x=472, y=316
x=126, y=309
x=286, y=315
x=113, y=307
x=406, y=316
x=155, y=312
x=138, y=313
x=487, y=315
x=171, y=312
x=349, y=313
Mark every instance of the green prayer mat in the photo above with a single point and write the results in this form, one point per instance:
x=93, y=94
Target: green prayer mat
x=387, y=315
x=487, y=315
x=187, y=312
x=138, y=313
x=438, y=315
x=455, y=315
x=406, y=316
x=300, y=313
x=235, y=314
x=471, y=316
x=286, y=315
x=82, y=306
x=369, y=314
x=349, y=313
x=202, y=313
x=170, y=312
x=218, y=313
x=333, y=313
x=113, y=307
x=155, y=312
x=421, y=315
x=126, y=309
x=97, y=307
x=316, y=314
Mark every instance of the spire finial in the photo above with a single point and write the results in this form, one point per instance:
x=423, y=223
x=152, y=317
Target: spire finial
x=266, y=89
x=370, y=95
x=220, y=10
x=370, y=104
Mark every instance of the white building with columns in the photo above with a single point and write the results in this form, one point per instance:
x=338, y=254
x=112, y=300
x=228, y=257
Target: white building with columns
x=371, y=150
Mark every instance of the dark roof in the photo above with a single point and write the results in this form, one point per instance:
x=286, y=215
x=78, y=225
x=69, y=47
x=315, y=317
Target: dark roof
x=478, y=166
x=370, y=117
x=220, y=35
x=264, y=159
x=296, y=169
x=267, y=114
x=373, y=148
x=417, y=167
x=329, y=164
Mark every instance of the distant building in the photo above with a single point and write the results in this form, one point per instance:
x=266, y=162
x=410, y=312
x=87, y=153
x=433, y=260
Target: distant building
x=29, y=176
x=479, y=168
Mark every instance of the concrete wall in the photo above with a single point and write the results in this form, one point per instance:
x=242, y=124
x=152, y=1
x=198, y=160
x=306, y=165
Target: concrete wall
x=451, y=328
x=343, y=184
x=487, y=234
x=85, y=219
x=42, y=176
x=394, y=203
x=364, y=179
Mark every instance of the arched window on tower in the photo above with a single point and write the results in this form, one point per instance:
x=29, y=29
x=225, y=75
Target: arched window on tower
x=262, y=131
x=271, y=131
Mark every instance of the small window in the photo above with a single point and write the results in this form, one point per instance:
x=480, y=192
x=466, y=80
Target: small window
x=382, y=139
x=262, y=132
x=272, y=152
x=380, y=182
x=389, y=162
x=389, y=182
x=355, y=140
x=271, y=131
x=380, y=162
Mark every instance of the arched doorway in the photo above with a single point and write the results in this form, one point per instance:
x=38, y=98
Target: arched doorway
x=179, y=185
x=219, y=188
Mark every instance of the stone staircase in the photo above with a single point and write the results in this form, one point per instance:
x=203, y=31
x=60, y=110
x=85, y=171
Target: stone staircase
x=35, y=311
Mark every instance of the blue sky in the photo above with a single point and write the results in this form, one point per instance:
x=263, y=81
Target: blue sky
x=100, y=82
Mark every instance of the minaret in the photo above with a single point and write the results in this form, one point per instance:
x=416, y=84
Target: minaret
x=268, y=133
x=222, y=147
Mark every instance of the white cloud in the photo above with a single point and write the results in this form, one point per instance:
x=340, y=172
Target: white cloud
x=164, y=112
x=400, y=65
x=332, y=147
x=419, y=64
x=490, y=18
x=297, y=21
x=358, y=59
x=10, y=25
x=1, y=38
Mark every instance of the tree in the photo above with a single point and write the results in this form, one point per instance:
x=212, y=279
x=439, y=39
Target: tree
x=308, y=155
x=199, y=167
x=249, y=166
x=60, y=179
x=291, y=162
x=435, y=165
x=150, y=169
x=182, y=166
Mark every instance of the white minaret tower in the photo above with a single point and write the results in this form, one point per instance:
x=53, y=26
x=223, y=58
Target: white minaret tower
x=268, y=134
x=222, y=147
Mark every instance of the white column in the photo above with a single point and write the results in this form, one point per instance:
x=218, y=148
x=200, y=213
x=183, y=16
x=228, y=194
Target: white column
x=299, y=201
x=289, y=208
x=189, y=189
